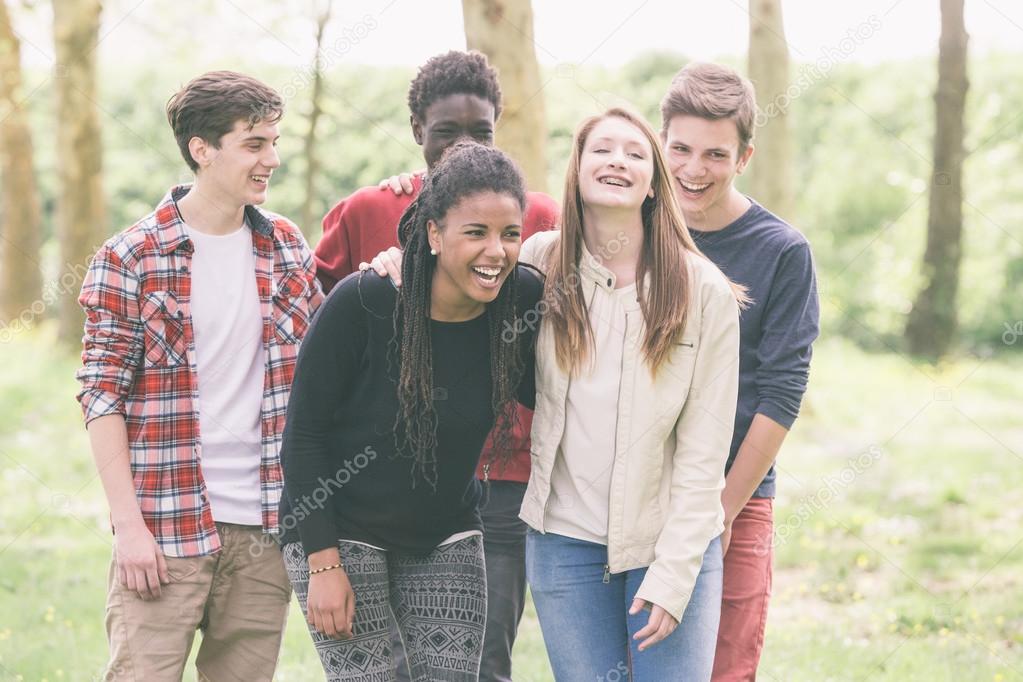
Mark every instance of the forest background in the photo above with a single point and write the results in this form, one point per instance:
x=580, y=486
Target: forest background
x=899, y=531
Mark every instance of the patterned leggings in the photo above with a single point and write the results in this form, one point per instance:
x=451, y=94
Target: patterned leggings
x=439, y=601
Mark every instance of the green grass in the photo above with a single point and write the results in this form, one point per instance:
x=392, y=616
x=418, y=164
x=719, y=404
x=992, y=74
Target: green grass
x=905, y=564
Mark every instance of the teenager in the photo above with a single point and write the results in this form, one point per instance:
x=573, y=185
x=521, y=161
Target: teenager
x=455, y=96
x=708, y=117
x=193, y=321
x=636, y=381
x=636, y=385
x=411, y=380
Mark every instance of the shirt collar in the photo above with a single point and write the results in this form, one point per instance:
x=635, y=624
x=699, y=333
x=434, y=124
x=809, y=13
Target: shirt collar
x=170, y=227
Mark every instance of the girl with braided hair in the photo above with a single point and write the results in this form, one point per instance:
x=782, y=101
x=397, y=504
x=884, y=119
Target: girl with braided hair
x=395, y=392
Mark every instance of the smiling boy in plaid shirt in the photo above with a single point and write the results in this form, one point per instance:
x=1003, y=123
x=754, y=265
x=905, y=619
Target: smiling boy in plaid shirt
x=193, y=321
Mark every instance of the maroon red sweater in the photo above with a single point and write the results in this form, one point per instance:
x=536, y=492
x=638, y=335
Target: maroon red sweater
x=366, y=223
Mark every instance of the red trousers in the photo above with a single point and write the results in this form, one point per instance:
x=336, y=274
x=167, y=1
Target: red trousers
x=746, y=593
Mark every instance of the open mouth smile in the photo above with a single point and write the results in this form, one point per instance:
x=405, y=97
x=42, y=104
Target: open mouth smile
x=487, y=276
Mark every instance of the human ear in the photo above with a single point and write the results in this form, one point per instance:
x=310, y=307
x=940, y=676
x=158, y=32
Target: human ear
x=433, y=236
x=200, y=151
x=417, y=130
x=744, y=159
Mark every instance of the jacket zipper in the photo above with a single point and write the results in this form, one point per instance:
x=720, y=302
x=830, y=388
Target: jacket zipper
x=621, y=375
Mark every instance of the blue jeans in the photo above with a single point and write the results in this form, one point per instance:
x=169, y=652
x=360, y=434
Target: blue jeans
x=585, y=621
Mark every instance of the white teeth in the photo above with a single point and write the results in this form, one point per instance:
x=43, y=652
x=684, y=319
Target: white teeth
x=260, y=178
x=617, y=182
x=488, y=273
x=694, y=187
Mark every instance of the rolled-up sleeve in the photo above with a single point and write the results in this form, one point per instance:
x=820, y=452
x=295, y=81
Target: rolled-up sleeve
x=113, y=340
x=790, y=324
x=703, y=433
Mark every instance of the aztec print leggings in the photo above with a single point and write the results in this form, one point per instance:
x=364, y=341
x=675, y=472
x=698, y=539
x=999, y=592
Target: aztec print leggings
x=439, y=601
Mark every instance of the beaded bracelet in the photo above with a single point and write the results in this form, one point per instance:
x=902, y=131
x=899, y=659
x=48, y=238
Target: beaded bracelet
x=325, y=568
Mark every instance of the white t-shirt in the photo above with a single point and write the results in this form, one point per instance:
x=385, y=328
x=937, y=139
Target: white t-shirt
x=581, y=477
x=228, y=327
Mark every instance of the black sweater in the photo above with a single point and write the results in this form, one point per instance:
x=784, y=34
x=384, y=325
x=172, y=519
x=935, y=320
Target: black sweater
x=343, y=478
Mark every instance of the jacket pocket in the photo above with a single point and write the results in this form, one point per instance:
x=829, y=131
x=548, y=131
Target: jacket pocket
x=291, y=307
x=164, y=322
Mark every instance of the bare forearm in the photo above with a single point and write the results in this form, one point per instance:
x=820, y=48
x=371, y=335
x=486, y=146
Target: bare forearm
x=756, y=455
x=108, y=436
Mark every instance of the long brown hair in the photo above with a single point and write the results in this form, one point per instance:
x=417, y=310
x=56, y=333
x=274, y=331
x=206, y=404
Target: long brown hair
x=667, y=246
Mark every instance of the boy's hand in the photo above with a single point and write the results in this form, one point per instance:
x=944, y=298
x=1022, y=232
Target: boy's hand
x=386, y=264
x=400, y=184
x=140, y=564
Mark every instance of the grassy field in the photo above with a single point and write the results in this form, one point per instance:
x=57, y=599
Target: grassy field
x=899, y=550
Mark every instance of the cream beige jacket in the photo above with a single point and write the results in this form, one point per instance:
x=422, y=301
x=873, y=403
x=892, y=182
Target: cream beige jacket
x=673, y=433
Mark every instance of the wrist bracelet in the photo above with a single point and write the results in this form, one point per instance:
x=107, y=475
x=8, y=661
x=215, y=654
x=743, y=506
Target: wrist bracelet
x=325, y=568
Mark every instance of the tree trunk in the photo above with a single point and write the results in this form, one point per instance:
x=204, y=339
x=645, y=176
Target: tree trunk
x=308, y=215
x=20, y=216
x=81, y=210
x=503, y=30
x=931, y=327
x=771, y=171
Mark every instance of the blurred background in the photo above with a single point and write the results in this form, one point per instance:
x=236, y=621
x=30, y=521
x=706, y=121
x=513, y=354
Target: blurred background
x=887, y=136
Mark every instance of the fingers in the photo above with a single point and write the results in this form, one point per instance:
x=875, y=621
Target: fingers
x=161, y=568
x=378, y=266
x=153, y=580
x=391, y=260
x=395, y=184
x=660, y=625
x=384, y=184
x=342, y=623
x=129, y=579
x=406, y=183
x=138, y=577
x=350, y=614
x=637, y=606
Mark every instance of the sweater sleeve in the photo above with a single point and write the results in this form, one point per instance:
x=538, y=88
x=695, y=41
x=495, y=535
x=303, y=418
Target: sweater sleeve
x=333, y=253
x=328, y=364
x=790, y=323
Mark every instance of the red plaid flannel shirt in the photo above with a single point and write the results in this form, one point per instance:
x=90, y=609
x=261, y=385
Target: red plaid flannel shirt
x=139, y=361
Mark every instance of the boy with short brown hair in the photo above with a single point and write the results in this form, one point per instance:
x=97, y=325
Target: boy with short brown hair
x=708, y=116
x=193, y=320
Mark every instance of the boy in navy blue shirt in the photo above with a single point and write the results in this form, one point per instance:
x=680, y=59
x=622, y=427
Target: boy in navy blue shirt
x=708, y=117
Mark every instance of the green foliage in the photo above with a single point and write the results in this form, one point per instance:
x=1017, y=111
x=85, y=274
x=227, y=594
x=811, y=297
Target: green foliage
x=862, y=138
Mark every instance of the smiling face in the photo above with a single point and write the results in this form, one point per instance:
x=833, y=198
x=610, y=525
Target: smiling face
x=477, y=245
x=239, y=170
x=452, y=118
x=616, y=166
x=704, y=158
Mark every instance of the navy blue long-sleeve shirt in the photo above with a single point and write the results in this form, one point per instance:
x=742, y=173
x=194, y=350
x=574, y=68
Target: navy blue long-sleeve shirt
x=773, y=261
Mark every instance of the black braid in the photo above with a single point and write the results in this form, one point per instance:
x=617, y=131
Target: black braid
x=467, y=168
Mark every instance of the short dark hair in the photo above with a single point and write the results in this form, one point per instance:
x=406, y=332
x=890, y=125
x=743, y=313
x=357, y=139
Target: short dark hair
x=454, y=73
x=209, y=106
